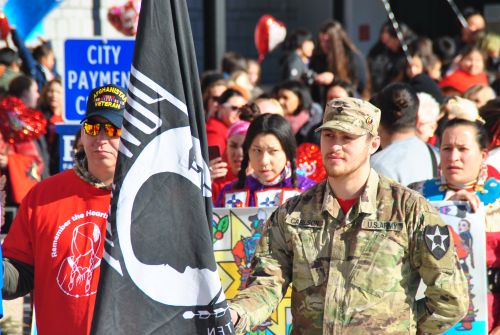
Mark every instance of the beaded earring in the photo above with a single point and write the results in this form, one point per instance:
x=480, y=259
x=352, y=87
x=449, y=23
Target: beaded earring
x=481, y=179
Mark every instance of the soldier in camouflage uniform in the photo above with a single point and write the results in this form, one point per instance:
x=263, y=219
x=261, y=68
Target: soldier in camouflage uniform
x=355, y=273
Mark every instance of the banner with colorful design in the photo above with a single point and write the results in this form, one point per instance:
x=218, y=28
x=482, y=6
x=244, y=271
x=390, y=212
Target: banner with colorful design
x=469, y=230
x=236, y=232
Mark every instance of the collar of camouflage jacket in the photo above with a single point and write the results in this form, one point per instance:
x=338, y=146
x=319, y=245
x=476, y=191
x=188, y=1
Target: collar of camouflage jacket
x=81, y=170
x=367, y=203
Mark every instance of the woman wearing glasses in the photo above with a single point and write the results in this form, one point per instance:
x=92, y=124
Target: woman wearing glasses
x=226, y=115
x=269, y=150
x=222, y=172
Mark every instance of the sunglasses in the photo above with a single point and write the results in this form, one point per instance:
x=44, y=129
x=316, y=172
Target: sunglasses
x=93, y=128
x=232, y=108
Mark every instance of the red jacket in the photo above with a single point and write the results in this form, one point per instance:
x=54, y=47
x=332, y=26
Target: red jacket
x=217, y=133
x=461, y=80
x=219, y=183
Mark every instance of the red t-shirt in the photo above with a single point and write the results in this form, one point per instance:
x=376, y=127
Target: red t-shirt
x=60, y=229
x=346, y=204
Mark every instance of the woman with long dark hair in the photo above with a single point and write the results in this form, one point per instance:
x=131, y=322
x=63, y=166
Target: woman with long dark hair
x=269, y=152
x=338, y=54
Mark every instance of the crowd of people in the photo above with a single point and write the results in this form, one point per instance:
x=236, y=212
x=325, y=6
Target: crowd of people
x=31, y=105
x=438, y=133
x=389, y=126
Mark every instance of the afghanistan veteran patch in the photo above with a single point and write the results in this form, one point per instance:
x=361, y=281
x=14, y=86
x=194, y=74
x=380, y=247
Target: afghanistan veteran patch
x=437, y=240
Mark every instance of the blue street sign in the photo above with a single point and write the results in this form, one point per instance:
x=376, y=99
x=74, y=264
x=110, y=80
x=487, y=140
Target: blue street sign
x=67, y=134
x=91, y=63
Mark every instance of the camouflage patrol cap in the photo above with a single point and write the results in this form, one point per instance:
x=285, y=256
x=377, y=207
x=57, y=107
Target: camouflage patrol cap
x=351, y=115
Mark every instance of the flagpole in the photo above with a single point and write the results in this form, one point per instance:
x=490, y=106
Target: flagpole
x=459, y=15
x=396, y=27
x=96, y=17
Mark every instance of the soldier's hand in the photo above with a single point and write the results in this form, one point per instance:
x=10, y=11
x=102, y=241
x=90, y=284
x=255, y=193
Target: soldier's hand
x=464, y=196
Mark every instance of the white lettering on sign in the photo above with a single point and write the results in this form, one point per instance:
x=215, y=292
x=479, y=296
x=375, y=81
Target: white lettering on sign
x=103, y=54
x=72, y=78
x=68, y=141
x=81, y=105
x=86, y=80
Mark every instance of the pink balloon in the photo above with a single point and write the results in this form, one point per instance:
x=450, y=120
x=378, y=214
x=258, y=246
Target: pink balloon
x=124, y=18
x=269, y=32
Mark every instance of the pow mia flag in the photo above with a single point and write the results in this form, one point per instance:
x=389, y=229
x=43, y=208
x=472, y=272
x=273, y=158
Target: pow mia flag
x=437, y=240
x=159, y=274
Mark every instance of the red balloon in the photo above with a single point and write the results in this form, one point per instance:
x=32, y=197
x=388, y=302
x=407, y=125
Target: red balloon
x=124, y=18
x=269, y=32
x=310, y=162
x=4, y=26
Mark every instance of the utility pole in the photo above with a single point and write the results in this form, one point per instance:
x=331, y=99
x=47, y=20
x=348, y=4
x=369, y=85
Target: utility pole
x=214, y=17
x=96, y=17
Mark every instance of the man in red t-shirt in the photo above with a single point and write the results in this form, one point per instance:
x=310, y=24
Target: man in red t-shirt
x=55, y=244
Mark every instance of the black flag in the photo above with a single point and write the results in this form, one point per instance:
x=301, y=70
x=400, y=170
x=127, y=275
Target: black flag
x=159, y=275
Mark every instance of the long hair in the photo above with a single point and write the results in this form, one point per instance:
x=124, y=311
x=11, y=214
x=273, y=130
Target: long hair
x=44, y=98
x=338, y=57
x=269, y=124
x=340, y=43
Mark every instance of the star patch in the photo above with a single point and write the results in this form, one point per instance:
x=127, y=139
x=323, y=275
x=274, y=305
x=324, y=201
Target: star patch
x=437, y=239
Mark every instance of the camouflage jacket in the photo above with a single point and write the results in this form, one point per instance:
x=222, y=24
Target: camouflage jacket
x=356, y=273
